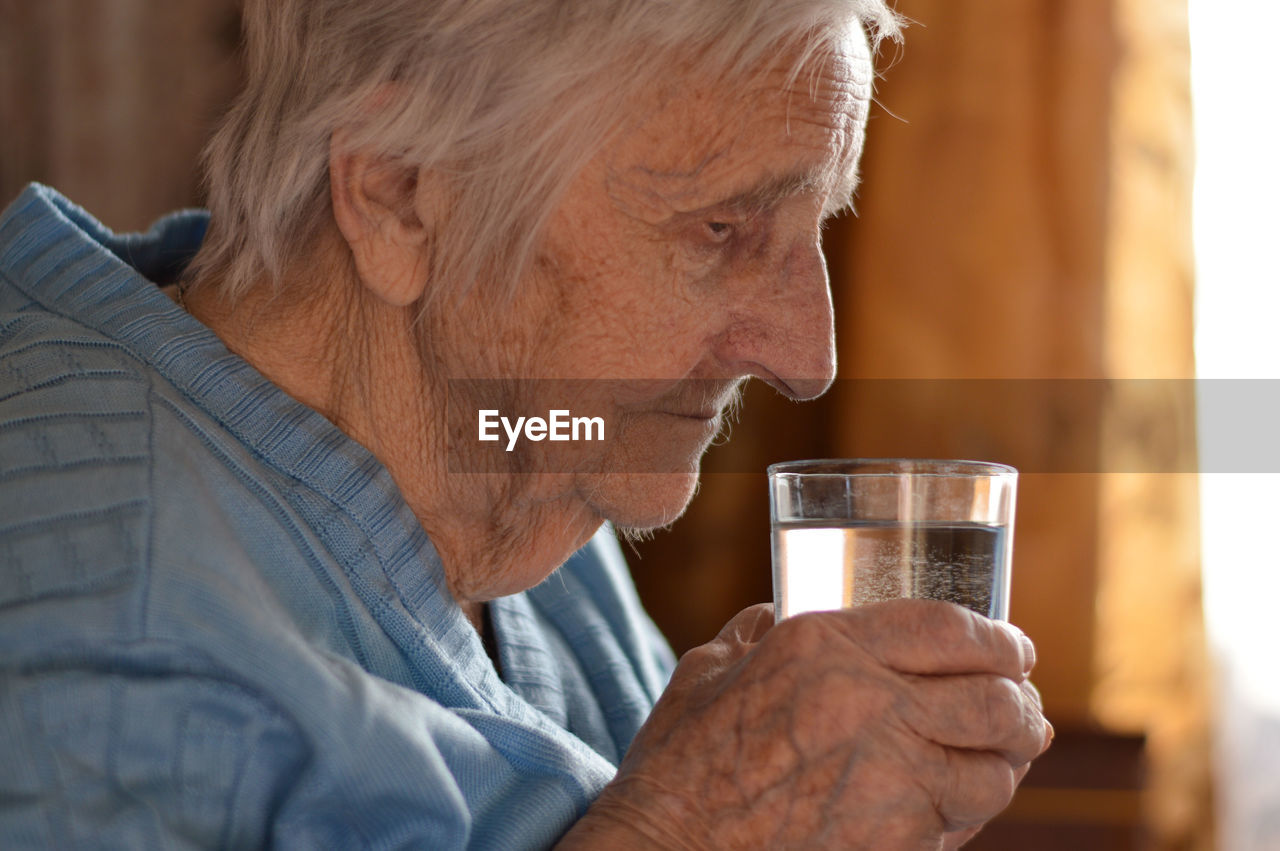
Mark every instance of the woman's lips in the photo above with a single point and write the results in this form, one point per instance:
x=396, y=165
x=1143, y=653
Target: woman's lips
x=699, y=416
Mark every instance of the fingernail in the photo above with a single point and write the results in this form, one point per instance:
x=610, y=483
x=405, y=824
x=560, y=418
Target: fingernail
x=1028, y=649
x=1028, y=654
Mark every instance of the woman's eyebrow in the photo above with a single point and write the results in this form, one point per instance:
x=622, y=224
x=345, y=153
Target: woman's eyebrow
x=654, y=197
x=774, y=189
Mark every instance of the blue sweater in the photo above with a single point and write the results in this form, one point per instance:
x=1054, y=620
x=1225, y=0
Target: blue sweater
x=220, y=624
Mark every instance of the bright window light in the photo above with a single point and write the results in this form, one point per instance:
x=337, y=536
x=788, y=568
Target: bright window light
x=1235, y=68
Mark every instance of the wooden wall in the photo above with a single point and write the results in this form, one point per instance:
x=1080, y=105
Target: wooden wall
x=109, y=101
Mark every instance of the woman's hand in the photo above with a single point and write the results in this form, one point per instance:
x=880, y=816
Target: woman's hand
x=905, y=724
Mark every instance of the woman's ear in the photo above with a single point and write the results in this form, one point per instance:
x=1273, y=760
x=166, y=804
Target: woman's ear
x=377, y=206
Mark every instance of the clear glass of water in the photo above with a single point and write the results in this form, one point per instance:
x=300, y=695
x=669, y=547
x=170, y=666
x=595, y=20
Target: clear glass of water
x=847, y=532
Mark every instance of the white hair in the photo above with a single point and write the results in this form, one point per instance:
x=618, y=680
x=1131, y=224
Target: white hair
x=505, y=100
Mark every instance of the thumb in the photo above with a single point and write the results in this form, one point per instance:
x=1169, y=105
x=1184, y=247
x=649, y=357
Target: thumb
x=749, y=625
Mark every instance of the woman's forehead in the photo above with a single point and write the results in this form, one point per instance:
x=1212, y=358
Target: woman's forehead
x=781, y=134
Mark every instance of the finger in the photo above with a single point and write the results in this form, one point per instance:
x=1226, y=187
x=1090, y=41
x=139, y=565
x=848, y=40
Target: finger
x=1033, y=694
x=933, y=637
x=749, y=625
x=972, y=787
x=977, y=712
x=735, y=640
x=1019, y=773
x=955, y=839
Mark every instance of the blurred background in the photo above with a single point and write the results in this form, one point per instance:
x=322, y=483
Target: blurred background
x=1022, y=258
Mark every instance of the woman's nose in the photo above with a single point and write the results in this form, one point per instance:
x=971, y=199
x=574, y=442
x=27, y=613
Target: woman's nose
x=786, y=334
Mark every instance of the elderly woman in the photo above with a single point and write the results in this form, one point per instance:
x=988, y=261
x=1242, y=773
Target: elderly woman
x=264, y=582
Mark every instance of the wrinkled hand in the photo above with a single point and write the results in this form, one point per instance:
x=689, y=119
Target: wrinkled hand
x=905, y=724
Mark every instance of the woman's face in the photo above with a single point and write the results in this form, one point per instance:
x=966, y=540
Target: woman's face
x=684, y=259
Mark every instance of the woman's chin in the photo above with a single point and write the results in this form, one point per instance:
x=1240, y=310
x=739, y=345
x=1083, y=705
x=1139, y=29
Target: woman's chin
x=638, y=503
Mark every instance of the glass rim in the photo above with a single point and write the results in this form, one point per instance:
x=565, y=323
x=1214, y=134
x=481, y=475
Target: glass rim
x=942, y=468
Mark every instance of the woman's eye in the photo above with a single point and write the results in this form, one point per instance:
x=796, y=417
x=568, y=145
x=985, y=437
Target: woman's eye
x=719, y=231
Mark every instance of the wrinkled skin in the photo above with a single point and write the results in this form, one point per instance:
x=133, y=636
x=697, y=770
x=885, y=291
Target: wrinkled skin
x=905, y=724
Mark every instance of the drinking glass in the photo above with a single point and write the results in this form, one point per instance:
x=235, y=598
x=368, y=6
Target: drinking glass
x=847, y=532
